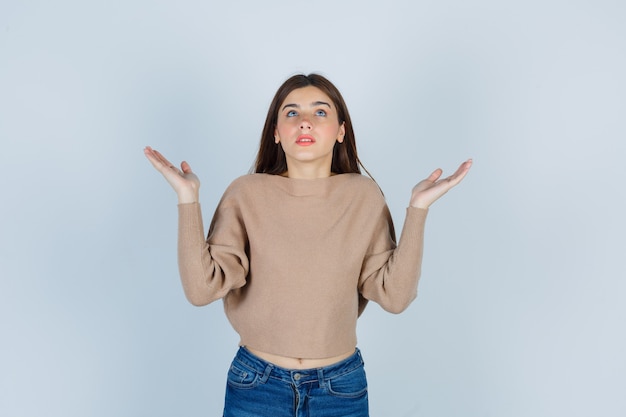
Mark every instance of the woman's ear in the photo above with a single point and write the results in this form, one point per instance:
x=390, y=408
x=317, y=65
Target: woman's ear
x=342, y=132
x=276, y=136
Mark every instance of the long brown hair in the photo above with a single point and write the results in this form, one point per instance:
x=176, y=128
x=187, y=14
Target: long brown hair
x=271, y=157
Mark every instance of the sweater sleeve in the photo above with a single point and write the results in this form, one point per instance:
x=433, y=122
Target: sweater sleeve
x=210, y=268
x=391, y=273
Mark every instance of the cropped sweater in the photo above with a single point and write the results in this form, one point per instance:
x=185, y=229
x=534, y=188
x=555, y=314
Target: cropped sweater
x=296, y=260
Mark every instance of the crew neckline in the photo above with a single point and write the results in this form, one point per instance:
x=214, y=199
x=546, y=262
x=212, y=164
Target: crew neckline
x=307, y=186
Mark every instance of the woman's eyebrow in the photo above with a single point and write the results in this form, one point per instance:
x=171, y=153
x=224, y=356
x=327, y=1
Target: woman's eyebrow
x=297, y=106
x=315, y=103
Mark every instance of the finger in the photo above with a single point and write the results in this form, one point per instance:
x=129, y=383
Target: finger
x=186, y=168
x=149, y=152
x=153, y=155
x=167, y=166
x=465, y=166
x=153, y=158
x=435, y=175
x=461, y=171
x=163, y=159
x=161, y=164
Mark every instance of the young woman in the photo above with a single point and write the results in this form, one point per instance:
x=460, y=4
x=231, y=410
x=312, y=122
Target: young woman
x=296, y=250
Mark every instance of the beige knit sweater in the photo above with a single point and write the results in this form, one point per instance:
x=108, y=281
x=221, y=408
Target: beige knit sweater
x=296, y=260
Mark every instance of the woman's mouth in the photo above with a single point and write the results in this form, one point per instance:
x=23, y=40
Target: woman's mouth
x=305, y=140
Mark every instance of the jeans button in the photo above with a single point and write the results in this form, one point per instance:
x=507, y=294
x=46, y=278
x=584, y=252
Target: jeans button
x=297, y=377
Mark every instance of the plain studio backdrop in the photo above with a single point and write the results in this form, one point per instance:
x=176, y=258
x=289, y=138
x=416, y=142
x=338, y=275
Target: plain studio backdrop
x=521, y=306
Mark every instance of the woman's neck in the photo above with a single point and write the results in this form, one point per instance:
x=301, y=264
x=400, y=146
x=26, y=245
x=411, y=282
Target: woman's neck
x=307, y=171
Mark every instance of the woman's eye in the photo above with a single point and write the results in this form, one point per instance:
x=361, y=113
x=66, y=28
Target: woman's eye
x=292, y=113
x=320, y=113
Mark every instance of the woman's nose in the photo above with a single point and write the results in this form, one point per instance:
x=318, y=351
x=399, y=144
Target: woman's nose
x=305, y=123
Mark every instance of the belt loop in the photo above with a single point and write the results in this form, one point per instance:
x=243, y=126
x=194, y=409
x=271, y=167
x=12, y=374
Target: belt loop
x=266, y=374
x=320, y=378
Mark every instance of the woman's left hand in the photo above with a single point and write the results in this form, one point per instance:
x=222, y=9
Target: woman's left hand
x=429, y=190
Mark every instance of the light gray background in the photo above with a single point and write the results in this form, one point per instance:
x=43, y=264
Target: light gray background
x=521, y=308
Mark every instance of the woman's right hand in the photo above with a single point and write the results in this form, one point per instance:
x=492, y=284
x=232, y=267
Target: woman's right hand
x=183, y=180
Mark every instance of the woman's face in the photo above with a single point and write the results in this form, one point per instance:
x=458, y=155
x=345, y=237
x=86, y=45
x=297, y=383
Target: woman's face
x=307, y=129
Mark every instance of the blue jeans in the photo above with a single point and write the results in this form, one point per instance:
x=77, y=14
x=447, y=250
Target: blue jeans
x=257, y=388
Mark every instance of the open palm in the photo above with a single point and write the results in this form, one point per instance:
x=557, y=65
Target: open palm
x=432, y=188
x=183, y=180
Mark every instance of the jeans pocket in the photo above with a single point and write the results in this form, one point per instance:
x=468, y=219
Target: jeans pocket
x=349, y=385
x=242, y=377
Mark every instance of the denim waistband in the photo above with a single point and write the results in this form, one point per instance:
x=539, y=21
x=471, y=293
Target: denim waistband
x=297, y=376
